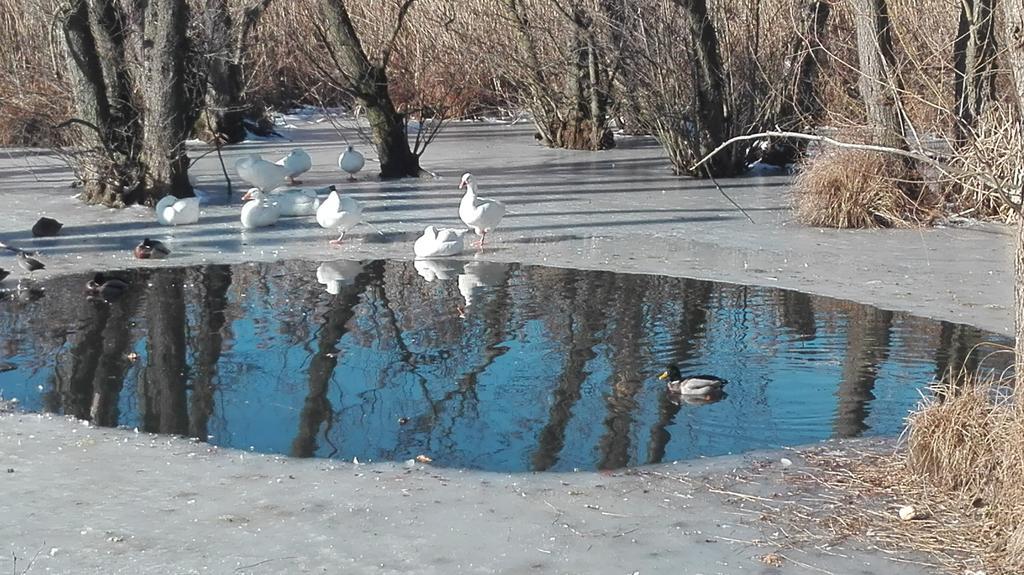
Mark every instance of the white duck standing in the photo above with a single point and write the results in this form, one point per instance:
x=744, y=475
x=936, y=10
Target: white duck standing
x=259, y=210
x=298, y=201
x=260, y=173
x=297, y=162
x=480, y=214
x=172, y=211
x=350, y=161
x=435, y=243
x=338, y=274
x=342, y=213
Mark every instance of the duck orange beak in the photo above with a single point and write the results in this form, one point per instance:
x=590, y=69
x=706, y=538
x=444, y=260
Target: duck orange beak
x=664, y=375
x=247, y=196
x=462, y=184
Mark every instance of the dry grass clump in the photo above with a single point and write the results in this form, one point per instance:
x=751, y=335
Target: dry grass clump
x=847, y=188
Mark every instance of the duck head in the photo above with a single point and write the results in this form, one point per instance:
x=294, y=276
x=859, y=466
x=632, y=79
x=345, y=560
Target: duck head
x=468, y=181
x=253, y=194
x=671, y=373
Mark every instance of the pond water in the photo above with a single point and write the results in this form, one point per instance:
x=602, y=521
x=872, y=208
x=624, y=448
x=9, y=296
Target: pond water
x=475, y=364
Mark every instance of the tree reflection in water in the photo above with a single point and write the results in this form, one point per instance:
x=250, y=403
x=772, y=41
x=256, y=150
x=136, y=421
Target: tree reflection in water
x=492, y=366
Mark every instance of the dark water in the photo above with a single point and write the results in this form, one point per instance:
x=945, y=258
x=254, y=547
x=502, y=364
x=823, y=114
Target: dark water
x=489, y=366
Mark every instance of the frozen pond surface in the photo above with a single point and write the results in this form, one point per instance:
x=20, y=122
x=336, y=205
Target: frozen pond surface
x=476, y=364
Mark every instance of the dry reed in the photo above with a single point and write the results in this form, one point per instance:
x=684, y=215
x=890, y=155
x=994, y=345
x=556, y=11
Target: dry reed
x=846, y=188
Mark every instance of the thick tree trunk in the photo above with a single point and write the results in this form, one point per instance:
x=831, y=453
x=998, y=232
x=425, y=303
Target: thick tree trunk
x=368, y=82
x=878, y=84
x=163, y=405
x=226, y=47
x=974, y=59
x=711, y=113
x=1013, y=35
x=224, y=106
x=165, y=123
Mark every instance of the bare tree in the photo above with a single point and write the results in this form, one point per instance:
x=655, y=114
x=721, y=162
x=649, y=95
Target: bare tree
x=974, y=62
x=1013, y=34
x=347, y=67
x=879, y=85
x=128, y=65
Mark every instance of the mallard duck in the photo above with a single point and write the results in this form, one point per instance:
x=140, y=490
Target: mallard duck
x=297, y=162
x=102, y=287
x=435, y=243
x=343, y=213
x=259, y=210
x=350, y=161
x=697, y=385
x=480, y=214
x=172, y=211
x=151, y=250
x=46, y=227
x=299, y=201
x=29, y=263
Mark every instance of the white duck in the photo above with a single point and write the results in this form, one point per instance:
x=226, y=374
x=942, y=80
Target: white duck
x=297, y=162
x=338, y=274
x=298, y=201
x=260, y=173
x=431, y=270
x=435, y=243
x=172, y=211
x=480, y=214
x=477, y=275
x=341, y=212
x=350, y=161
x=259, y=210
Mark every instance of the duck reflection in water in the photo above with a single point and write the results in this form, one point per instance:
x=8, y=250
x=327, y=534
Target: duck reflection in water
x=337, y=274
x=476, y=276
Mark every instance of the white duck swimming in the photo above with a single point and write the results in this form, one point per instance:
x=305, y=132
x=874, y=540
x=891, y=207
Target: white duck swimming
x=172, y=211
x=435, y=243
x=338, y=274
x=350, y=161
x=298, y=201
x=260, y=173
x=342, y=213
x=259, y=210
x=480, y=214
x=431, y=270
x=297, y=162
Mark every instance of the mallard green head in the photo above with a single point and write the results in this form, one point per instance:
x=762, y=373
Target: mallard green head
x=671, y=373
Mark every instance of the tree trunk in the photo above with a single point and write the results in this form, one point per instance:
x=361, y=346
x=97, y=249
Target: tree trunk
x=878, y=84
x=165, y=124
x=1013, y=35
x=368, y=82
x=974, y=59
x=162, y=389
x=711, y=114
x=800, y=105
x=226, y=48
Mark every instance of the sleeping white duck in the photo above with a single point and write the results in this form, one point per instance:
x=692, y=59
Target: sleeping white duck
x=298, y=201
x=480, y=214
x=342, y=213
x=172, y=211
x=259, y=210
x=297, y=162
x=435, y=243
x=260, y=173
